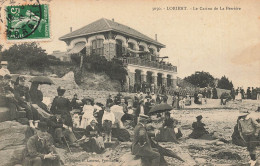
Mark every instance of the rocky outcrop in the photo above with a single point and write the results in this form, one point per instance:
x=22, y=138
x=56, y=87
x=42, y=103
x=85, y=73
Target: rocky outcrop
x=12, y=155
x=4, y=114
x=13, y=138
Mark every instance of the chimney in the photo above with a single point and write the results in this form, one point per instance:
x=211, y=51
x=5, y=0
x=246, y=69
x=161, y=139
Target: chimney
x=70, y=29
x=155, y=37
x=113, y=19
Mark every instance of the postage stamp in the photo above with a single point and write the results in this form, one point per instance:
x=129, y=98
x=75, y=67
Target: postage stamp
x=27, y=22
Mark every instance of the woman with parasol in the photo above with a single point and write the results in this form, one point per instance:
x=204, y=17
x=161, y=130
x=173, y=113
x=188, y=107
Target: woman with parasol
x=36, y=94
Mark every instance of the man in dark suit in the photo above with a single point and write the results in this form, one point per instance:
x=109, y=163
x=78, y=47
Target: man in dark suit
x=147, y=106
x=141, y=146
x=60, y=132
x=40, y=150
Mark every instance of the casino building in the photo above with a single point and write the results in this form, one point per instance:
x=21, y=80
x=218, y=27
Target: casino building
x=139, y=53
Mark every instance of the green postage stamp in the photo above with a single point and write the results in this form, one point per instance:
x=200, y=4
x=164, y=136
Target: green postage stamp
x=27, y=22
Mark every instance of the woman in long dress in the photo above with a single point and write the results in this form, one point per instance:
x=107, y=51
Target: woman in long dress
x=88, y=110
x=93, y=139
x=169, y=131
x=239, y=95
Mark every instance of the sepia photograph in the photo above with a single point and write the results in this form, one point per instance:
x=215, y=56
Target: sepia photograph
x=129, y=83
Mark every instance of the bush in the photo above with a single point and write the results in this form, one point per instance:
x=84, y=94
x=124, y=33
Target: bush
x=224, y=83
x=114, y=68
x=75, y=58
x=26, y=55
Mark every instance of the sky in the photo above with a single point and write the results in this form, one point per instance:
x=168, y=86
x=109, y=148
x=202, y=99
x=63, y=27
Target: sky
x=221, y=42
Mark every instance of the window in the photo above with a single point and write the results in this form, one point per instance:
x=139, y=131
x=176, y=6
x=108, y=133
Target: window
x=141, y=48
x=119, y=48
x=98, y=46
x=131, y=46
x=151, y=50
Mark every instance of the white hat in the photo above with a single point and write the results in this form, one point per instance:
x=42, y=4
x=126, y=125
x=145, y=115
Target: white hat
x=4, y=63
x=243, y=113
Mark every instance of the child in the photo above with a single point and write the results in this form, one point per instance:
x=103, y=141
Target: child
x=107, y=121
x=87, y=112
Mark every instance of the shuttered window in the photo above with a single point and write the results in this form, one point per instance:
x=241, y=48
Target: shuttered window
x=98, y=46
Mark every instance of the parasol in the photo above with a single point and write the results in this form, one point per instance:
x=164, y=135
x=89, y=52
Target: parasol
x=127, y=98
x=160, y=108
x=42, y=80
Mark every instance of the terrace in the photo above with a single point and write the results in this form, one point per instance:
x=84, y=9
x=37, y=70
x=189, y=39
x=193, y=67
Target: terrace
x=147, y=63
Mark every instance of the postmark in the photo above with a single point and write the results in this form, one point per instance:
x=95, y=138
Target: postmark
x=27, y=22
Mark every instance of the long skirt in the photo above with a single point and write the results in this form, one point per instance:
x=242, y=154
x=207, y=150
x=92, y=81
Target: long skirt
x=166, y=135
x=107, y=126
x=94, y=144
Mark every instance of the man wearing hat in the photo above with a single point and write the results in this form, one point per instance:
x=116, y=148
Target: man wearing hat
x=141, y=145
x=60, y=132
x=198, y=128
x=249, y=129
x=40, y=150
x=21, y=94
x=158, y=99
x=4, y=70
x=147, y=106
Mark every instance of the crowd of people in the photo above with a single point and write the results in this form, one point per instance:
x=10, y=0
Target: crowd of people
x=88, y=124
x=251, y=93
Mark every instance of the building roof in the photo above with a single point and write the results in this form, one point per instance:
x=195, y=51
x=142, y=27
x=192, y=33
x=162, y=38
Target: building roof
x=104, y=25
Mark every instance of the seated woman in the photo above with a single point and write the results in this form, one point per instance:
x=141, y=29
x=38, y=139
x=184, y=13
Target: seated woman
x=37, y=96
x=93, y=139
x=199, y=130
x=169, y=131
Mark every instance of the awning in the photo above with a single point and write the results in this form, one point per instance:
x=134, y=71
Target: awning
x=77, y=48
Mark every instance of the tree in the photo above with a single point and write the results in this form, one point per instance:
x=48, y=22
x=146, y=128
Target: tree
x=114, y=68
x=224, y=83
x=201, y=79
x=98, y=63
x=26, y=55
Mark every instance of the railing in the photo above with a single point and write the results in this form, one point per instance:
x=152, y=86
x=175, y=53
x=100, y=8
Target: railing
x=142, y=62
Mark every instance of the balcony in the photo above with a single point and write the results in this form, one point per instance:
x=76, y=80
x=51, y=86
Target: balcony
x=142, y=62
